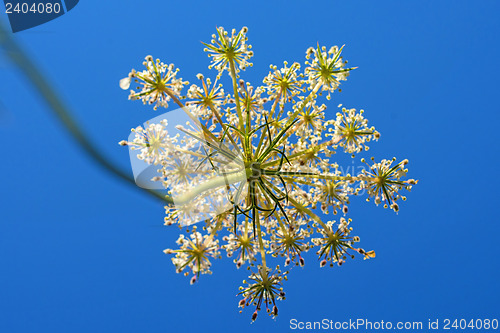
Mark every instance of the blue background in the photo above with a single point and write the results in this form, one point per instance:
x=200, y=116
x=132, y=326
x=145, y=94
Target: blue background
x=81, y=251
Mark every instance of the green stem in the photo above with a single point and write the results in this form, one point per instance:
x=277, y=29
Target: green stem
x=236, y=95
x=298, y=206
x=314, y=149
x=60, y=110
x=264, y=132
x=317, y=176
x=261, y=243
x=223, y=125
x=255, y=216
x=190, y=115
x=215, y=229
x=213, y=183
x=304, y=103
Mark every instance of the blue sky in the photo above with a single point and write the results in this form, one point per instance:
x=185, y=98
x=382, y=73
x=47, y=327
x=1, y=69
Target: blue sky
x=81, y=251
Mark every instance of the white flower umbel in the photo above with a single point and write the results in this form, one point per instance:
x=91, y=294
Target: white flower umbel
x=228, y=51
x=195, y=253
x=326, y=68
x=153, y=142
x=156, y=84
x=257, y=165
x=351, y=131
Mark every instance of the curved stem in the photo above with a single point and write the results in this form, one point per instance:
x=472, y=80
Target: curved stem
x=209, y=185
x=31, y=72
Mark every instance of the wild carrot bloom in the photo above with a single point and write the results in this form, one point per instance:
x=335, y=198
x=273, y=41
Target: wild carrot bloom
x=156, y=84
x=335, y=243
x=332, y=193
x=243, y=244
x=351, y=131
x=227, y=51
x=208, y=96
x=263, y=289
x=152, y=141
x=284, y=82
x=326, y=68
x=257, y=165
x=195, y=252
x=383, y=182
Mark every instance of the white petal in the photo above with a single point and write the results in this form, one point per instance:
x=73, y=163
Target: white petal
x=125, y=83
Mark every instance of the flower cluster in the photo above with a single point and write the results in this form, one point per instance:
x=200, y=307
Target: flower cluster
x=152, y=141
x=383, y=182
x=285, y=82
x=335, y=243
x=255, y=165
x=156, y=84
x=263, y=287
x=351, y=131
x=228, y=51
x=195, y=253
x=326, y=69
